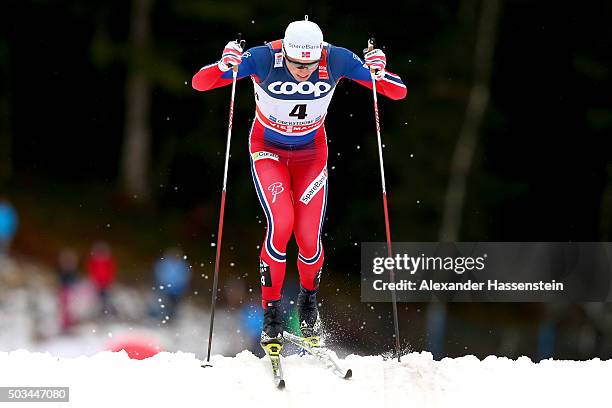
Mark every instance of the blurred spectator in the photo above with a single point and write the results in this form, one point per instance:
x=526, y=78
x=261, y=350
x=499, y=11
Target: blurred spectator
x=68, y=265
x=8, y=226
x=245, y=313
x=547, y=337
x=102, y=269
x=172, y=276
x=251, y=319
x=436, y=329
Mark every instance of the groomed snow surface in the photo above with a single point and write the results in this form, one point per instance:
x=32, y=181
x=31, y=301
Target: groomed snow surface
x=29, y=320
x=176, y=380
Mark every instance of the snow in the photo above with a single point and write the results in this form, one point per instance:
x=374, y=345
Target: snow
x=177, y=379
x=34, y=353
x=29, y=320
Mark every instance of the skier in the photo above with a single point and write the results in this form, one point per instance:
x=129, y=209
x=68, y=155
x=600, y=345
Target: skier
x=294, y=80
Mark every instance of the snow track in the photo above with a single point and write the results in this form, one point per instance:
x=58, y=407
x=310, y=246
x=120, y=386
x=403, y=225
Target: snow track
x=176, y=379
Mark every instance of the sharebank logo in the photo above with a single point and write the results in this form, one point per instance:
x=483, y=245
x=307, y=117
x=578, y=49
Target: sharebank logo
x=314, y=187
x=305, y=88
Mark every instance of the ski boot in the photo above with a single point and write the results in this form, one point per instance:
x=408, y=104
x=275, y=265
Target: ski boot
x=272, y=339
x=272, y=334
x=308, y=315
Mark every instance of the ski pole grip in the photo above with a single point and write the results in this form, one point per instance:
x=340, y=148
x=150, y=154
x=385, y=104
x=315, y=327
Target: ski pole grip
x=371, y=45
x=242, y=43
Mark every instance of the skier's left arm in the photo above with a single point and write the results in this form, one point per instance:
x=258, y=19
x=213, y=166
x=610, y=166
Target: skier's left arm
x=347, y=64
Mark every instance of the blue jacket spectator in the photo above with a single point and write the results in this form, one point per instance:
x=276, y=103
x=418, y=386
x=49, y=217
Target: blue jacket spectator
x=172, y=276
x=173, y=273
x=8, y=225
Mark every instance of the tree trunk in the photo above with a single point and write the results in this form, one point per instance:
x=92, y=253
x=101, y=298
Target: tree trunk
x=136, y=152
x=6, y=131
x=606, y=209
x=476, y=107
x=464, y=152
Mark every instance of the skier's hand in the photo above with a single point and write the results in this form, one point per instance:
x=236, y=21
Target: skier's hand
x=232, y=55
x=376, y=61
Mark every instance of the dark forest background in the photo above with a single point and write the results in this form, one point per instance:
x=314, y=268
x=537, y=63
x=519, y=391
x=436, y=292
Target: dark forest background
x=505, y=136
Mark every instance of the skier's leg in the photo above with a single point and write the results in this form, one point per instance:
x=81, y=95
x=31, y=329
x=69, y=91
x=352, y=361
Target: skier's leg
x=308, y=225
x=271, y=179
x=309, y=176
x=309, y=186
x=272, y=183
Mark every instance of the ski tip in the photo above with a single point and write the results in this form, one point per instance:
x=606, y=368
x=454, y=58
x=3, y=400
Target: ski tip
x=349, y=374
x=281, y=385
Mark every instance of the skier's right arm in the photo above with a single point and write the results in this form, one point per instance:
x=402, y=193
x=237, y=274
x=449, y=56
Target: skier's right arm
x=219, y=73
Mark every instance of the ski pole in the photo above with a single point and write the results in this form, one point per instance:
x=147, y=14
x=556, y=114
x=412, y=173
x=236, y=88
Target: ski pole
x=384, y=194
x=222, y=211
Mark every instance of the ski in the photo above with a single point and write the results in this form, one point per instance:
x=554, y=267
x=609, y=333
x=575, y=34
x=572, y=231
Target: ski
x=314, y=347
x=273, y=352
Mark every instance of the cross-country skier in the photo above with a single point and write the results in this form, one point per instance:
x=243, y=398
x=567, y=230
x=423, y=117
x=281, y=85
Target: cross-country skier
x=294, y=80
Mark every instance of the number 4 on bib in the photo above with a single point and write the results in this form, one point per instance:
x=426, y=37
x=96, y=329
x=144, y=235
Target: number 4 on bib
x=299, y=111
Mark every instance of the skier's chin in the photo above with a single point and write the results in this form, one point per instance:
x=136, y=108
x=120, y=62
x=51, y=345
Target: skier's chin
x=300, y=78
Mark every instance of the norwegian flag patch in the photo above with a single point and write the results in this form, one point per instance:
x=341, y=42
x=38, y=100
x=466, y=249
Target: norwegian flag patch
x=305, y=54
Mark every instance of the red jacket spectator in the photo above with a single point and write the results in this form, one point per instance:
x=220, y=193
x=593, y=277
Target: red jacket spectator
x=101, y=266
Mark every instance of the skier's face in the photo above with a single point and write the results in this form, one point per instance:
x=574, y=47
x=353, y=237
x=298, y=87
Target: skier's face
x=301, y=70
